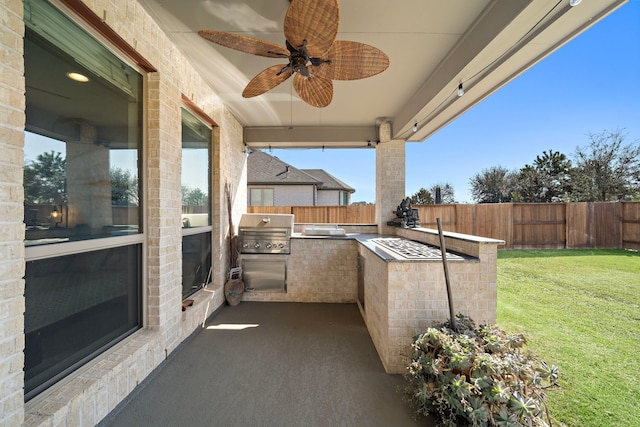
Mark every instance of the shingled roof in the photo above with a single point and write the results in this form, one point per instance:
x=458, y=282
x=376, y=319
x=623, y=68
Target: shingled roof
x=263, y=168
x=329, y=182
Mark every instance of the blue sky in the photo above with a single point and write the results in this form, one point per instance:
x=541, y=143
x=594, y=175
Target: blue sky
x=588, y=86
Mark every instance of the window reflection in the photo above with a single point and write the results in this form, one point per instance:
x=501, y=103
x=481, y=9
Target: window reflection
x=82, y=142
x=63, y=203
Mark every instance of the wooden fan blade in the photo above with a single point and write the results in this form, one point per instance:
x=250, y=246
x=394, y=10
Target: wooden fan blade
x=315, y=21
x=266, y=80
x=352, y=61
x=245, y=44
x=315, y=91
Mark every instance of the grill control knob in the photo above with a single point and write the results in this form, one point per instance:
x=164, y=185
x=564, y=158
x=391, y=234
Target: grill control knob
x=281, y=245
x=269, y=245
x=245, y=245
x=257, y=245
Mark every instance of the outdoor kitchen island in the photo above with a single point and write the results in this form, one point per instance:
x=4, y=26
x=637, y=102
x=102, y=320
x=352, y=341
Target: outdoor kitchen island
x=400, y=292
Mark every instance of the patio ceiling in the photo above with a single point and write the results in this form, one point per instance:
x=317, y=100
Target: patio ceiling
x=433, y=46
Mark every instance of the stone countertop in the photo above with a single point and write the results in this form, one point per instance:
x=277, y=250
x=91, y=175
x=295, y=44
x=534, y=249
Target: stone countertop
x=347, y=236
x=432, y=253
x=368, y=241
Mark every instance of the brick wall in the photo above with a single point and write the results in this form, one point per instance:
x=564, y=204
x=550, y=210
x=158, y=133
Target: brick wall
x=12, y=270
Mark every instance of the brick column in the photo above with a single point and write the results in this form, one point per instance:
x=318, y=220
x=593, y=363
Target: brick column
x=12, y=121
x=164, y=207
x=390, y=176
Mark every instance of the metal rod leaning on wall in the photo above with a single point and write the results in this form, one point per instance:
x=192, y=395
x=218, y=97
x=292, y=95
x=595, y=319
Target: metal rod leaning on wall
x=443, y=251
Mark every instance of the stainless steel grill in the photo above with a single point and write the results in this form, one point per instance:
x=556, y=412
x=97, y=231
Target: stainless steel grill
x=265, y=234
x=264, y=242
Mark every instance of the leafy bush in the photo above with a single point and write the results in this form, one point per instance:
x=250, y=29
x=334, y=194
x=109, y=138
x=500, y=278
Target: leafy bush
x=477, y=377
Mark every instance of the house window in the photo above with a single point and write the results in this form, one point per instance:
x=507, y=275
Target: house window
x=196, y=205
x=83, y=239
x=261, y=197
x=75, y=307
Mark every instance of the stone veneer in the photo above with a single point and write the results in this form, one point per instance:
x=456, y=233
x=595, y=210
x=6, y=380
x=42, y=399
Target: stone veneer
x=403, y=298
x=390, y=177
x=90, y=393
x=318, y=270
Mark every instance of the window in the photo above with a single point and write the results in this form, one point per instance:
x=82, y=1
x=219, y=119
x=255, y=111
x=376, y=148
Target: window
x=77, y=305
x=83, y=133
x=345, y=198
x=261, y=197
x=196, y=205
x=82, y=196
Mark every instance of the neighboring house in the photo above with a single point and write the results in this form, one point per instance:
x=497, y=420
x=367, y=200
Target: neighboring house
x=272, y=182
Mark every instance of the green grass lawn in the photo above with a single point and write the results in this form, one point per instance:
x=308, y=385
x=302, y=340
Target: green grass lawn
x=580, y=310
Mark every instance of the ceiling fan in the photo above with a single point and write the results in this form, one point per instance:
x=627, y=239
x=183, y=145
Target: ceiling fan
x=314, y=56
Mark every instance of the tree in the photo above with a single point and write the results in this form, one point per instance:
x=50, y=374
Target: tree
x=124, y=187
x=446, y=193
x=493, y=185
x=422, y=197
x=428, y=197
x=606, y=169
x=193, y=197
x=547, y=180
x=45, y=179
x=527, y=185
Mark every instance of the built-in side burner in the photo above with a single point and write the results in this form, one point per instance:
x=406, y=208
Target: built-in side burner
x=409, y=249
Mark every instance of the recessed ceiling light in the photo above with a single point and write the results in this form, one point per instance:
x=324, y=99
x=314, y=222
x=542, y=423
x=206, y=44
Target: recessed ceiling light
x=78, y=77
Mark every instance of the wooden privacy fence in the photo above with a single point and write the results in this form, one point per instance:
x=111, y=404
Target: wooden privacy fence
x=323, y=214
x=543, y=225
x=520, y=225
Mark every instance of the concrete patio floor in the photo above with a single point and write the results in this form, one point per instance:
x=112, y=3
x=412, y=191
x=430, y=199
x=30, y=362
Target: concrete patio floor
x=272, y=364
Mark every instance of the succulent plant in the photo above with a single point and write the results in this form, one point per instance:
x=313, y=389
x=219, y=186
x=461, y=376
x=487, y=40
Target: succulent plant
x=478, y=377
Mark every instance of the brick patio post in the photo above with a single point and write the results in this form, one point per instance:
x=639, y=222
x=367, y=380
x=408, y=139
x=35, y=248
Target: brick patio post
x=164, y=207
x=390, y=177
x=12, y=269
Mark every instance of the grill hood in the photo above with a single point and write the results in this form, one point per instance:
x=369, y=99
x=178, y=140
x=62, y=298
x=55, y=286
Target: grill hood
x=266, y=221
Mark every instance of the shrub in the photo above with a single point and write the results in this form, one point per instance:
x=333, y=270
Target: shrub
x=477, y=377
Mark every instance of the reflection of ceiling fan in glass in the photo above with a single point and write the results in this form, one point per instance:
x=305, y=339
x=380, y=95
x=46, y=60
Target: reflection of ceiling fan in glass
x=315, y=56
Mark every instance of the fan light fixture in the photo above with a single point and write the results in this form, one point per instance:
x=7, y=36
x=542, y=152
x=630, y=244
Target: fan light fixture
x=78, y=77
x=314, y=58
x=460, y=90
x=415, y=127
x=574, y=2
